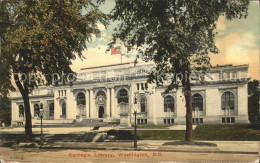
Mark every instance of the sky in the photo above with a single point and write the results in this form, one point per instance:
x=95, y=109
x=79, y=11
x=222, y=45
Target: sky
x=237, y=40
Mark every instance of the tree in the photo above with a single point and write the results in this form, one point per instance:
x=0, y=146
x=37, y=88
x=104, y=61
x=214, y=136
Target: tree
x=5, y=83
x=5, y=110
x=42, y=37
x=253, y=101
x=177, y=35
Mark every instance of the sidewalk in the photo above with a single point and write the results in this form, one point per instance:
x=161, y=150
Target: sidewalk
x=78, y=130
x=145, y=145
x=243, y=147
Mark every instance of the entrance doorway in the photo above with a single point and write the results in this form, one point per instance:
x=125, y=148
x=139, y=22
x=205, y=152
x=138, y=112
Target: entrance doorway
x=51, y=113
x=64, y=111
x=101, y=111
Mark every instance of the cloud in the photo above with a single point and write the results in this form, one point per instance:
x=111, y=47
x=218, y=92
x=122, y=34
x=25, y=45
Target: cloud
x=221, y=23
x=109, y=36
x=238, y=48
x=95, y=57
x=101, y=27
x=103, y=34
x=103, y=37
x=237, y=44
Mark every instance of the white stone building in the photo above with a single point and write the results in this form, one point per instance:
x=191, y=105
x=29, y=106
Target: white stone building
x=108, y=93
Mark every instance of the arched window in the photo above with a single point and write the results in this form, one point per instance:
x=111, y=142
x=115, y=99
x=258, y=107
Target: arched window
x=21, y=111
x=123, y=96
x=81, y=99
x=36, y=110
x=64, y=110
x=143, y=104
x=227, y=101
x=168, y=103
x=197, y=102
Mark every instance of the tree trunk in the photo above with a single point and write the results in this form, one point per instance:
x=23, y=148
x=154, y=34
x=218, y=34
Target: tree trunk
x=28, y=118
x=187, y=95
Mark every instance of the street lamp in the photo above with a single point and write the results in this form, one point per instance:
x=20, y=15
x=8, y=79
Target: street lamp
x=41, y=117
x=135, y=112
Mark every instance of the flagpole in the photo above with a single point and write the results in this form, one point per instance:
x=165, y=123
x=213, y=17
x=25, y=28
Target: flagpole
x=121, y=58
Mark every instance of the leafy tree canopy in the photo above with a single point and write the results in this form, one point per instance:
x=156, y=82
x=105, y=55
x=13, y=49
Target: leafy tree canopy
x=253, y=89
x=5, y=110
x=44, y=35
x=177, y=35
x=5, y=103
x=253, y=101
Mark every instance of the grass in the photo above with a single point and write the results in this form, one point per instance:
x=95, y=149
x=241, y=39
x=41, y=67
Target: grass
x=232, y=132
x=191, y=143
x=227, y=132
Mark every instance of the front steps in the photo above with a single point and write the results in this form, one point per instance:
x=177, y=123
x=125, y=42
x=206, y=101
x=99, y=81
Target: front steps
x=85, y=122
x=54, y=123
x=91, y=122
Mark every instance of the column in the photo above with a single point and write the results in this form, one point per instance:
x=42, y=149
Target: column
x=112, y=102
x=153, y=107
x=108, y=102
x=92, y=104
x=87, y=104
x=131, y=101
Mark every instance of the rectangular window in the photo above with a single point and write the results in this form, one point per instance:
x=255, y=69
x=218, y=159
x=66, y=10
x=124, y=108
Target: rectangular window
x=234, y=75
x=220, y=76
x=197, y=120
x=228, y=75
x=223, y=120
x=232, y=119
x=137, y=86
x=145, y=121
x=65, y=93
x=146, y=86
x=142, y=86
x=168, y=121
x=228, y=119
x=59, y=93
x=138, y=121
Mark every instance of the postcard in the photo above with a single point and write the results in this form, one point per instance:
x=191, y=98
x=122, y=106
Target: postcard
x=129, y=81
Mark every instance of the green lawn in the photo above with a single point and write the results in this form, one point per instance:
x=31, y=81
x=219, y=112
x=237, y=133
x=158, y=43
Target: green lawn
x=202, y=132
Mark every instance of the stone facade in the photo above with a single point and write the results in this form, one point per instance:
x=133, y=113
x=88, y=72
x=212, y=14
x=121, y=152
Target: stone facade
x=112, y=93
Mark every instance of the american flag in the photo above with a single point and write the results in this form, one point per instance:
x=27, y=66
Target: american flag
x=115, y=50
